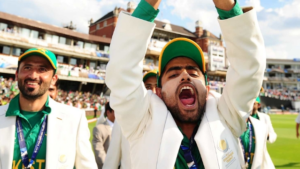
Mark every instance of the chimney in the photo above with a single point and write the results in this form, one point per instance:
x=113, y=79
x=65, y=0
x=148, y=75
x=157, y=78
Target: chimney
x=116, y=11
x=221, y=37
x=199, y=29
x=131, y=7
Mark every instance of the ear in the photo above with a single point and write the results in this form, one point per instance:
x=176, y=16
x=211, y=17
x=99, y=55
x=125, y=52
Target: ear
x=207, y=91
x=54, y=79
x=16, y=75
x=158, y=92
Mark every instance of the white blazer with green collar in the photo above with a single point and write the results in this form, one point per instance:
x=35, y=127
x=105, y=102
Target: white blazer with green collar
x=67, y=138
x=262, y=158
x=145, y=121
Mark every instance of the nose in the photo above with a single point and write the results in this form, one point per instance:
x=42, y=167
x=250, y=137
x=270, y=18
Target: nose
x=185, y=77
x=154, y=90
x=33, y=74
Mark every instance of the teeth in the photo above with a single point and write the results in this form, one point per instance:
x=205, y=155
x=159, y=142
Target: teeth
x=32, y=83
x=187, y=87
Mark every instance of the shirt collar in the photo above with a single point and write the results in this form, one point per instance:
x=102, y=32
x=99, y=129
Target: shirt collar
x=14, y=107
x=111, y=124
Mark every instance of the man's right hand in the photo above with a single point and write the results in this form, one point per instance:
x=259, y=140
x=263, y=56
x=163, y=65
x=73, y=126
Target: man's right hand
x=154, y=3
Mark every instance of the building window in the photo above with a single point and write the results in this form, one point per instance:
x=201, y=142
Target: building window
x=34, y=34
x=106, y=49
x=97, y=26
x=92, y=64
x=68, y=41
x=18, y=51
x=62, y=40
x=3, y=27
x=73, y=61
x=149, y=61
x=48, y=38
x=105, y=23
x=78, y=44
x=54, y=39
x=25, y=32
x=60, y=59
x=5, y=50
x=102, y=65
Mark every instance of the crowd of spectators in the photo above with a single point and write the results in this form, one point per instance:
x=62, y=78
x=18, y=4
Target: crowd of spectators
x=281, y=94
x=83, y=100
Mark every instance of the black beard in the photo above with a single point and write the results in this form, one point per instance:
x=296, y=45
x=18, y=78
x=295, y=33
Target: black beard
x=27, y=93
x=177, y=115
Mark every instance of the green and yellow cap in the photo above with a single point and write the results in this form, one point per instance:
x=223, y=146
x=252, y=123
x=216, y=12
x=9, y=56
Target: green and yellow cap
x=47, y=54
x=152, y=73
x=257, y=100
x=181, y=47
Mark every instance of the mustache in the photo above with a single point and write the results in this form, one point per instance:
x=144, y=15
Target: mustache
x=177, y=89
x=32, y=80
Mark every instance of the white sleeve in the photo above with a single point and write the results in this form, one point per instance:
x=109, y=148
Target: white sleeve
x=113, y=156
x=84, y=154
x=246, y=54
x=271, y=132
x=129, y=98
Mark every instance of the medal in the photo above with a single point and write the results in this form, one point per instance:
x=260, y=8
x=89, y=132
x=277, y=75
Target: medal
x=23, y=149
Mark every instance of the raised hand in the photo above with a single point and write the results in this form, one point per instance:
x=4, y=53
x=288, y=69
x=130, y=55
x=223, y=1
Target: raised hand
x=154, y=3
x=226, y=5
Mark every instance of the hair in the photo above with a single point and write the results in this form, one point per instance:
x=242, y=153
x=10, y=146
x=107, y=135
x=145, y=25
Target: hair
x=107, y=108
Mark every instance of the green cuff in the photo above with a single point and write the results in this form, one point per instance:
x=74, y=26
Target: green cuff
x=145, y=11
x=235, y=11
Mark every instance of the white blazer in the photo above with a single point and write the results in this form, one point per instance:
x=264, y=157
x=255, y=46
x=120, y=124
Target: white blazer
x=67, y=138
x=145, y=121
x=262, y=158
x=270, y=130
x=118, y=152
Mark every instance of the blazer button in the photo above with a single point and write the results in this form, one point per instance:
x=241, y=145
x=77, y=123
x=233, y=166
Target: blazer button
x=62, y=158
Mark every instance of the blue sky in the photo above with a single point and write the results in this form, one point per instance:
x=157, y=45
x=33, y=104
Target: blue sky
x=279, y=20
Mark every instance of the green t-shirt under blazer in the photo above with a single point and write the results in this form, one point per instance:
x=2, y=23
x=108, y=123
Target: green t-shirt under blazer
x=31, y=123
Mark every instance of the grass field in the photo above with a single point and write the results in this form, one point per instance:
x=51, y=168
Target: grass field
x=285, y=152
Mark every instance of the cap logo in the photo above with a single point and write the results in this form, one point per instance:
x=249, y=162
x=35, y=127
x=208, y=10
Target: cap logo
x=42, y=50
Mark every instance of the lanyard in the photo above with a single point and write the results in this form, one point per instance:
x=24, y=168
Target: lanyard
x=190, y=161
x=23, y=148
x=247, y=158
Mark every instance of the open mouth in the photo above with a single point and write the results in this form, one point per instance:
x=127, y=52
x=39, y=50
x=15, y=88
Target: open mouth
x=187, y=96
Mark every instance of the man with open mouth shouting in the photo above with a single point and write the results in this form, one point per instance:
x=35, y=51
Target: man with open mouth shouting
x=185, y=126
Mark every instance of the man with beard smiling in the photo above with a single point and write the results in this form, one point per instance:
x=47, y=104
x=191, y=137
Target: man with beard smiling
x=186, y=127
x=35, y=130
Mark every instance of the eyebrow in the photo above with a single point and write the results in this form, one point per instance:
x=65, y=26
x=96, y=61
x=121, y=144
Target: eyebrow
x=40, y=65
x=181, y=67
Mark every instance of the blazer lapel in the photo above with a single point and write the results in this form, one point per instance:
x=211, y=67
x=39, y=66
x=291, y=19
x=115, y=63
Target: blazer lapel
x=7, y=129
x=54, y=131
x=260, y=141
x=170, y=144
x=206, y=146
x=215, y=141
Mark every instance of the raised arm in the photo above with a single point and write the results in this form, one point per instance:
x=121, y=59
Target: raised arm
x=246, y=54
x=128, y=97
